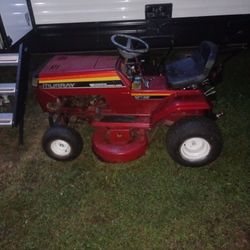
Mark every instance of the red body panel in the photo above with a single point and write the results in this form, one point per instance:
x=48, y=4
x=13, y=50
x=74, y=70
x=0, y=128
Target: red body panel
x=101, y=77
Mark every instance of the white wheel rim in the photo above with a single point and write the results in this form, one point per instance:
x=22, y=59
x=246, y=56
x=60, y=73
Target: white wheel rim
x=60, y=148
x=195, y=149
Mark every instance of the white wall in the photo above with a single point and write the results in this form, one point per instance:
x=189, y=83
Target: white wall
x=71, y=11
x=14, y=15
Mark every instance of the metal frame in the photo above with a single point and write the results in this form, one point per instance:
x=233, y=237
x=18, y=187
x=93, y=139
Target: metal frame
x=21, y=90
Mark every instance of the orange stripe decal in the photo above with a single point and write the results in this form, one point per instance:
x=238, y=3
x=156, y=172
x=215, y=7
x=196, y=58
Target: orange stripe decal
x=78, y=75
x=150, y=94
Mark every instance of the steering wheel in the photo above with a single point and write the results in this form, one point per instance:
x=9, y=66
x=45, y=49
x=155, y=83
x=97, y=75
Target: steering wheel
x=128, y=51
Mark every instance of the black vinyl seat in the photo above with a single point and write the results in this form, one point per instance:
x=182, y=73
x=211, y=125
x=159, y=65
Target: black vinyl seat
x=191, y=71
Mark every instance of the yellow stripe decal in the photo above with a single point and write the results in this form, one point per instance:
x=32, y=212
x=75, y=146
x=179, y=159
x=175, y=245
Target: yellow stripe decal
x=92, y=79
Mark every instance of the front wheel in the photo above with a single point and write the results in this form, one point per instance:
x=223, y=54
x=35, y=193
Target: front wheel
x=62, y=143
x=194, y=141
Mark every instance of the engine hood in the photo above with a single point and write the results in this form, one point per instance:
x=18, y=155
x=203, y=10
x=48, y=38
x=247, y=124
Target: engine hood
x=74, y=64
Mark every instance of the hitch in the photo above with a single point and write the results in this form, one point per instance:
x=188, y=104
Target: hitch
x=215, y=116
x=219, y=115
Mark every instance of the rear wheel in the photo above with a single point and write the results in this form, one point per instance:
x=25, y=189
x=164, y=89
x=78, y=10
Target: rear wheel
x=62, y=143
x=194, y=141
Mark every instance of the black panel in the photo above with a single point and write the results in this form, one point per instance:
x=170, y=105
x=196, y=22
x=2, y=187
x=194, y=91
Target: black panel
x=191, y=31
x=172, y=31
x=82, y=36
x=159, y=24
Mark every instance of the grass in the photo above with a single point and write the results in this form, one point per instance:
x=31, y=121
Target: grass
x=151, y=203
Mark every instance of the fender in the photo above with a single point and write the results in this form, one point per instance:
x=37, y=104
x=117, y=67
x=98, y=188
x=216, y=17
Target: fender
x=177, y=107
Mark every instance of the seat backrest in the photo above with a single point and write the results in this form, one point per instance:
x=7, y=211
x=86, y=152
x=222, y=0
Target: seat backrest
x=193, y=70
x=208, y=52
x=205, y=57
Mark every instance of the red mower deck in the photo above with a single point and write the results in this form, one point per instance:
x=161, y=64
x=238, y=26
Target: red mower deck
x=119, y=145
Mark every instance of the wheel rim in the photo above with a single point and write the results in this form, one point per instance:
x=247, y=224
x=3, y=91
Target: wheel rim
x=60, y=148
x=195, y=149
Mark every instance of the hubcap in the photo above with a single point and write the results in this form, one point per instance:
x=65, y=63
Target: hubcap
x=60, y=148
x=195, y=149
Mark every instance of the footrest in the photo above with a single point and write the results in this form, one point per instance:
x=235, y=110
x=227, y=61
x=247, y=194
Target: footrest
x=122, y=122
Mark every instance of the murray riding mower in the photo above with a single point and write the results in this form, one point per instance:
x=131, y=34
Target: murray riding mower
x=124, y=103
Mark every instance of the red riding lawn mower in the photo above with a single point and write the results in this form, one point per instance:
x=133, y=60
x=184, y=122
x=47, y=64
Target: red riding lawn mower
x=124, y=103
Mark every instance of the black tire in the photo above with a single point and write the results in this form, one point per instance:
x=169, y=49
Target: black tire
x=194, y=141
x=62, y=143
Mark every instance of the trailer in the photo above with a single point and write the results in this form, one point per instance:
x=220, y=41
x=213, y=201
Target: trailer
x=61, y=25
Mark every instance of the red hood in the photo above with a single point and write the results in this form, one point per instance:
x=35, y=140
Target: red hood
x=70, y=64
